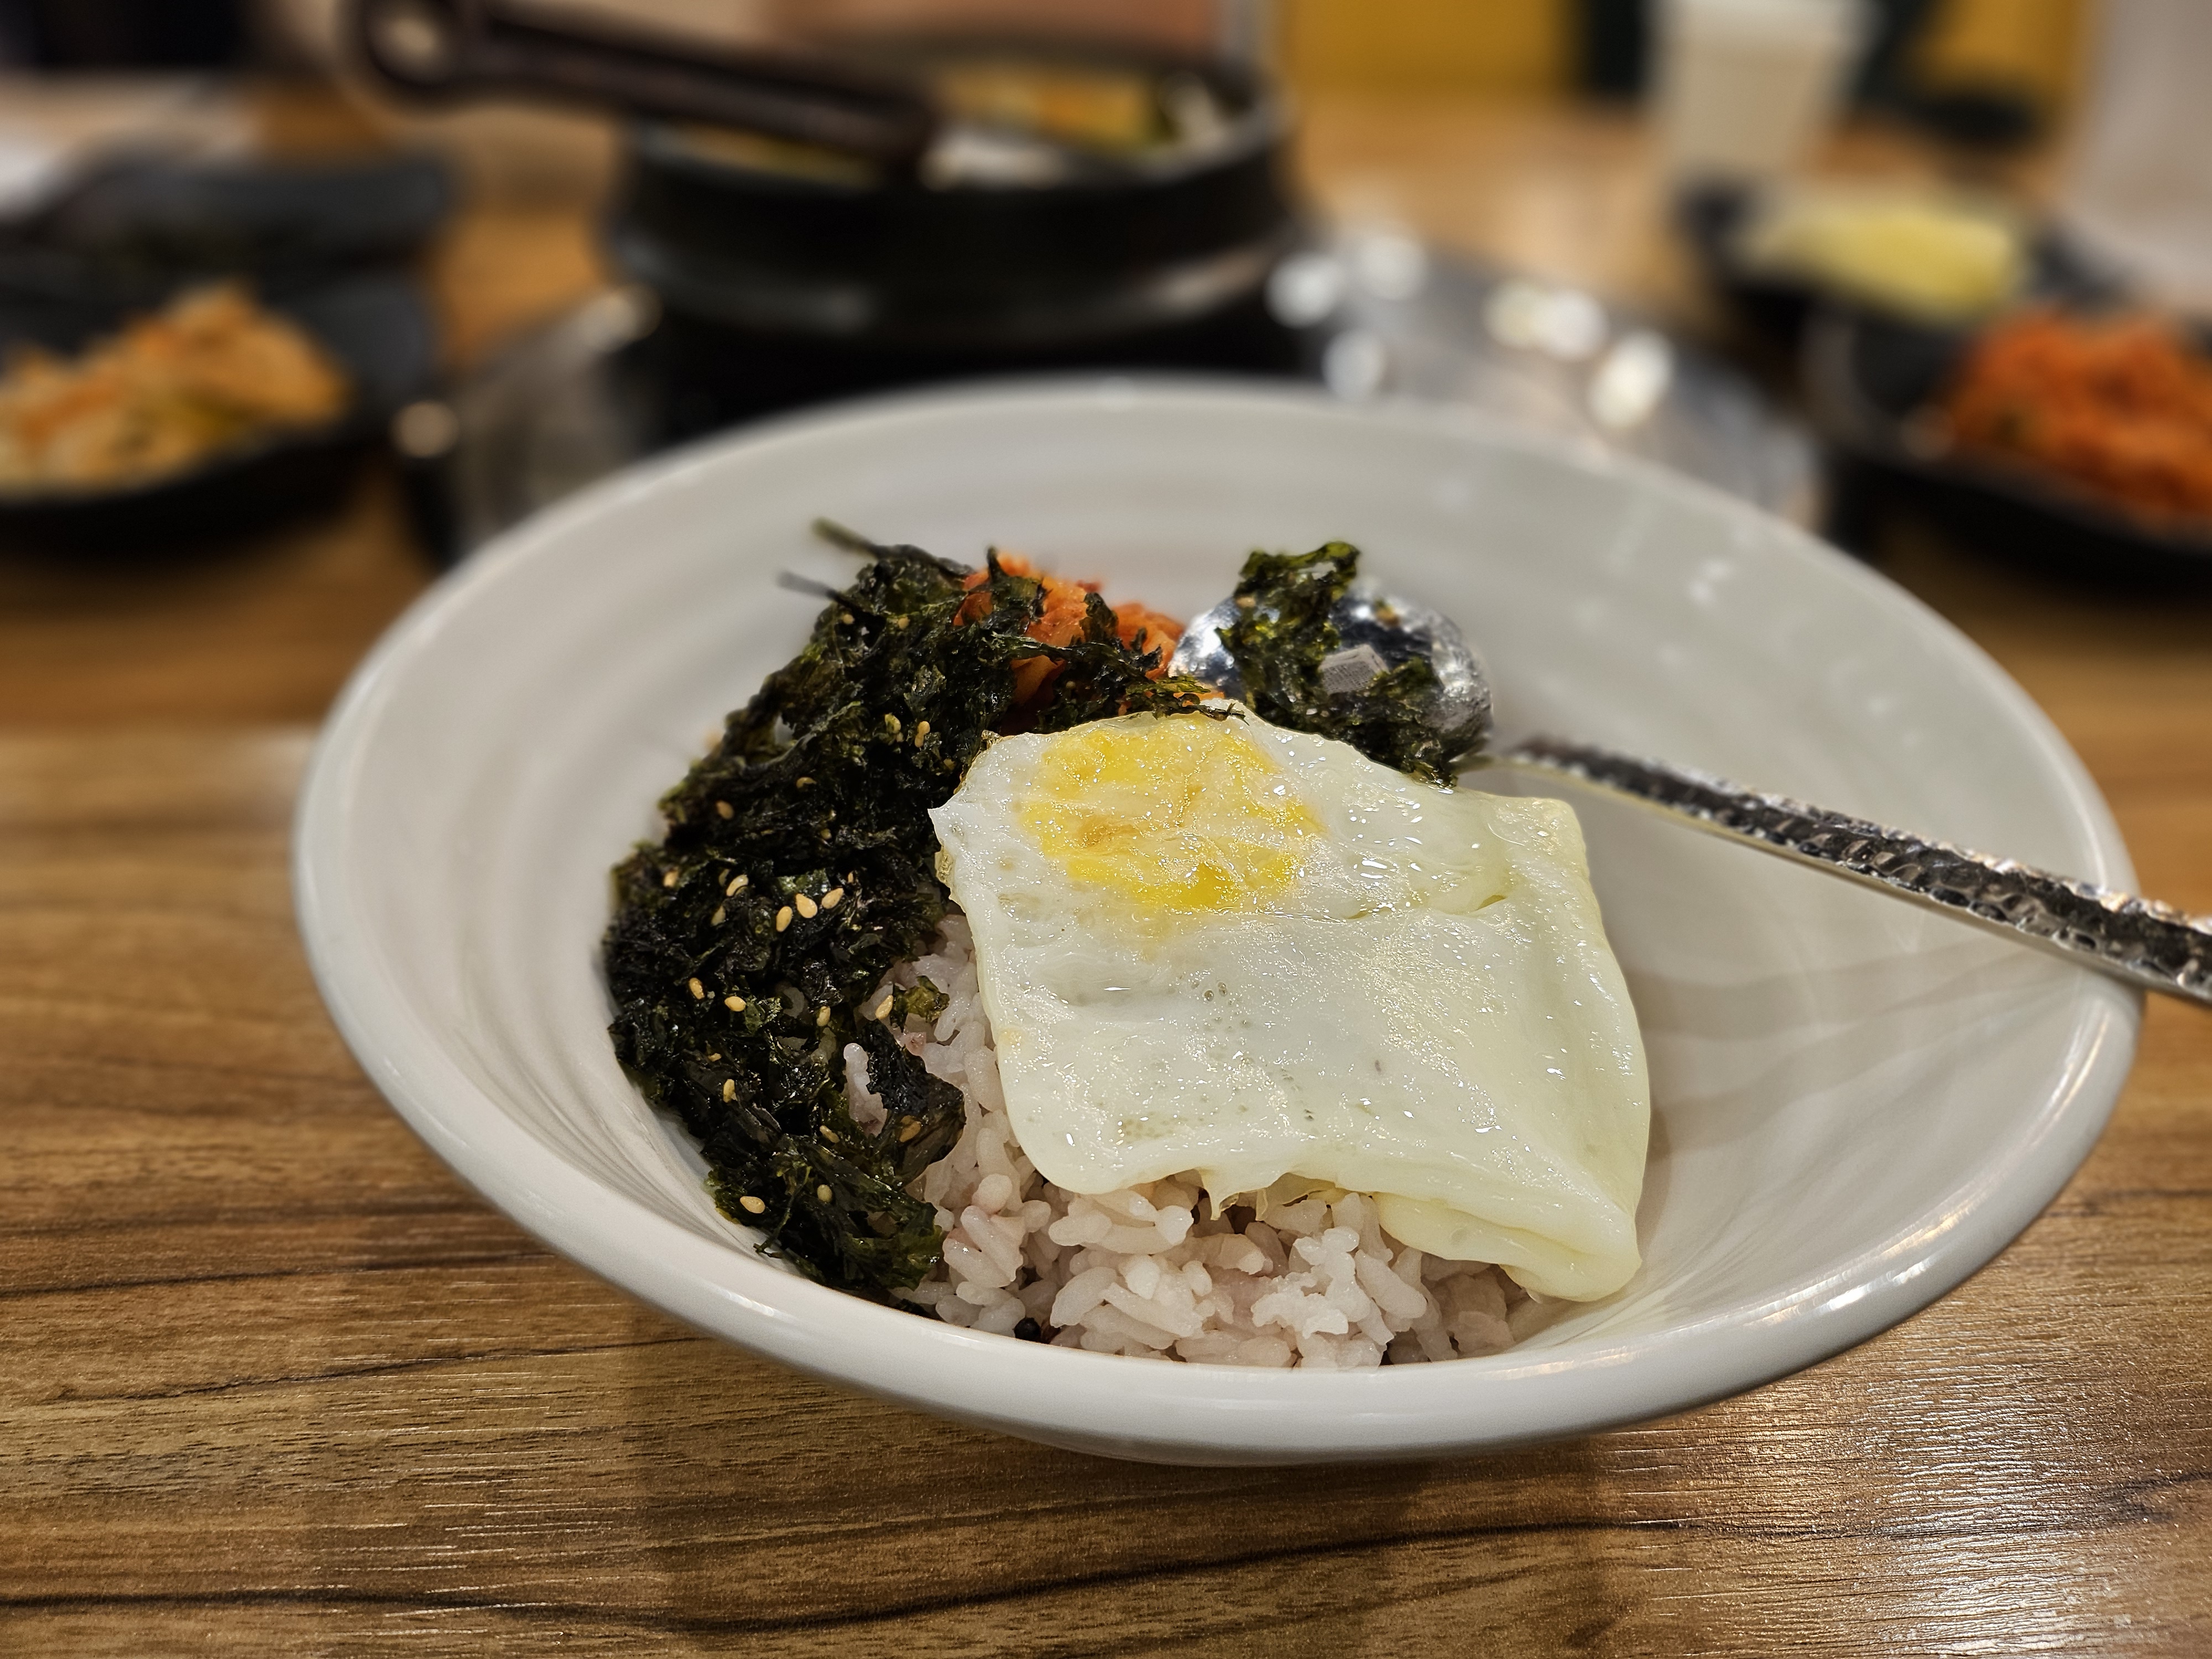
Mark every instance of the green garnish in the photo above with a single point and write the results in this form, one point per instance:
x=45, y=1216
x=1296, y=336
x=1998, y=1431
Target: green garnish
x=1283, y=634
x=798, y=868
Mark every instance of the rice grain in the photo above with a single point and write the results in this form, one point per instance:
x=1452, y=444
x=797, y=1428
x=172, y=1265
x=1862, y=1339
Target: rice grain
x=1318, y=1283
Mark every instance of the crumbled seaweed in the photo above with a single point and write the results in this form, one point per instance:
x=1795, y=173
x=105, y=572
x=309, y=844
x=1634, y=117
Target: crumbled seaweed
x=798, y=868
x=1282, y=636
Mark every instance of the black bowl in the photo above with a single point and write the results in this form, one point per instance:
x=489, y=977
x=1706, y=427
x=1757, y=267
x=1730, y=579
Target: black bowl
x=778, y=287
x=889, y=263
x=1776, y=308
x=379, y=329
x=1870, y=383
x=167, y=217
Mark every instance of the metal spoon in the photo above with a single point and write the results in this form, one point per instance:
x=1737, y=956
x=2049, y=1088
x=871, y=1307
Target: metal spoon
x=2139, y=940
x=447, y=49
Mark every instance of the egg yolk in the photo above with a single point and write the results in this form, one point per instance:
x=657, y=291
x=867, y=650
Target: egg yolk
x=1180, y=813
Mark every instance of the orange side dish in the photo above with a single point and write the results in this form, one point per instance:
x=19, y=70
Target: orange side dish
x=210, y=372
x=2121, y=408
x=1062, y=622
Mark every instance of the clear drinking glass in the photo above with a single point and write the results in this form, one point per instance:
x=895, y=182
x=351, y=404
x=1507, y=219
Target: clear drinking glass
x=1745, y=87
x=2139, y=182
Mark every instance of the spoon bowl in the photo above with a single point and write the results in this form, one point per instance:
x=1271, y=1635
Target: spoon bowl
x=1379, y=631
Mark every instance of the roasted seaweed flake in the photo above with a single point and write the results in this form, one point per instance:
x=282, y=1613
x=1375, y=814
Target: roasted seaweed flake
x=748, y=946
x=1284, y=634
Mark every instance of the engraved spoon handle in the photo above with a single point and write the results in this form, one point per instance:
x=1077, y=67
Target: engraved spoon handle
x=2142, y=941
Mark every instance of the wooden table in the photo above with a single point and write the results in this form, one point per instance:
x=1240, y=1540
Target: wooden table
x=272, y=1381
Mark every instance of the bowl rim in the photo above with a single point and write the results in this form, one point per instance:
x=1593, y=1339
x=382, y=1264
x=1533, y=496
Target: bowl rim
x=1180, y=1412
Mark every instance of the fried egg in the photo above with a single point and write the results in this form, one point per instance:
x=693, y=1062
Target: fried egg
x=1213, y=944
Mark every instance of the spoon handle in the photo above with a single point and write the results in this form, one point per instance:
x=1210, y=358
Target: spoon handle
x=453, y=48
x=2142, y=941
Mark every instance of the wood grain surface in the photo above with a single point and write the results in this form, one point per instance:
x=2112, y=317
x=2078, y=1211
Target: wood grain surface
x=271, y=1381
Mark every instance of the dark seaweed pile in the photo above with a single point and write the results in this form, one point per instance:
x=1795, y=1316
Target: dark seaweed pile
x=799, y=869
x=1282, y=636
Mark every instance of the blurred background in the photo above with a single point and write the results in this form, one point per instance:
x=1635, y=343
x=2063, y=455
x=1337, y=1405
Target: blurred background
x=1850, y=259
x=280, y=339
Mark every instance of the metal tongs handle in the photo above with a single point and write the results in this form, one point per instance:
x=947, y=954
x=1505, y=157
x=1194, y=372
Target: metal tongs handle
x=2140, y=940
x=453, y=48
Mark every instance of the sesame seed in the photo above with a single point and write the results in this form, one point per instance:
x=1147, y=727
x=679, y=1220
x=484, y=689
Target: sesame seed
x=829, y=1134
x=833, y=898
x=891, y=721
x=845, y=617
x=735, y=1004
x=752, y=1206
x=822, y=1015
x=901, y=622
x=783, y=919
x=725, y=809
x=670, y=877
x=804, y=783
x=698, y=990
x=737, y=886
x=805, y=905
x=908, y=1131
x=922, y=731
x=729, y=1088
x=721, y=914
x=822, y=1194
x=1245, y=601
x=883, y=1008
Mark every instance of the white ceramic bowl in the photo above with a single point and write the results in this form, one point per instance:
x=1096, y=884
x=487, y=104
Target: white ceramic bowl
x=1857, y=1103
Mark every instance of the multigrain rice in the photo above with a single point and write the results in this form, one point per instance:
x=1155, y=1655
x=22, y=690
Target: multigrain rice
x=1148, y=1270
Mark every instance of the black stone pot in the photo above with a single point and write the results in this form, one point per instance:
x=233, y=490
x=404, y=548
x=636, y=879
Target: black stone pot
x=779, y=287
x=816, y=223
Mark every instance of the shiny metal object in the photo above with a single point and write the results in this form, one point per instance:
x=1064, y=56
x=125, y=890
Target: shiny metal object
x=450, y=48
x=1388, y=317
x=1381, y=315
x=1379, y=633
x=2146, y=943
x=2140, y=940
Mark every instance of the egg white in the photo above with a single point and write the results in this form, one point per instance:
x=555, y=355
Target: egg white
x=1252, y=952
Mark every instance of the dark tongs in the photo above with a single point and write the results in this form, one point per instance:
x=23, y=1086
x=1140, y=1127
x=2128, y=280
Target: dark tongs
x=463, y=48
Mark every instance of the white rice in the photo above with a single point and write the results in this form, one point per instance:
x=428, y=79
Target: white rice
x=1138, y=1271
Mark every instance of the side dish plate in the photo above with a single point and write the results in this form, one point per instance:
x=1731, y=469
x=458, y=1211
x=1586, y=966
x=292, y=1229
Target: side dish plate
x=1856, y=1103
x=379, y=331
x=1870, y=381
